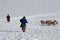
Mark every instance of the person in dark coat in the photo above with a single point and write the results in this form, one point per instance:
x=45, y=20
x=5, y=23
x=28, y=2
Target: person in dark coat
x=23, y=23
x=8, y=18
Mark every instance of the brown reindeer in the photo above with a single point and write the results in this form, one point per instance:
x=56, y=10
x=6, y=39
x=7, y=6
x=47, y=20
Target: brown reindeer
x=42, y=21
x=54, y=22
x=49, y=22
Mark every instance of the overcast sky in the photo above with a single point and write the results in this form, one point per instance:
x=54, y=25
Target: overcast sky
x=28, y=7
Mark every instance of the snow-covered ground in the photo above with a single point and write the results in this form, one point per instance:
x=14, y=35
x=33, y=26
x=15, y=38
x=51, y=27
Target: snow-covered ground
x=34, y=30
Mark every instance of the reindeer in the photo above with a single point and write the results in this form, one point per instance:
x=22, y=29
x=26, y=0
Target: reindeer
x=49, y=22
x=43, y=22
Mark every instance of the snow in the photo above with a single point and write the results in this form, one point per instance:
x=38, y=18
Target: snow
x=34, y=10
x=34, y=30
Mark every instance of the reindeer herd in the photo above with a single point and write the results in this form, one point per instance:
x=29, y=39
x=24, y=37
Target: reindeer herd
x=49, y=22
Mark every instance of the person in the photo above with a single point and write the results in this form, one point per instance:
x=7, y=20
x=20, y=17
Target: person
x=8, y=18
x=23, y=23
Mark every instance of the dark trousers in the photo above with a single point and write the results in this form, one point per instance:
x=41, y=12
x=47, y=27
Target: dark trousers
x=23, y=29
x=8, y=20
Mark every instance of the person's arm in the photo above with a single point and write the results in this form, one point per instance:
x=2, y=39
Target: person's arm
x=9, y=16
x=26, y=21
